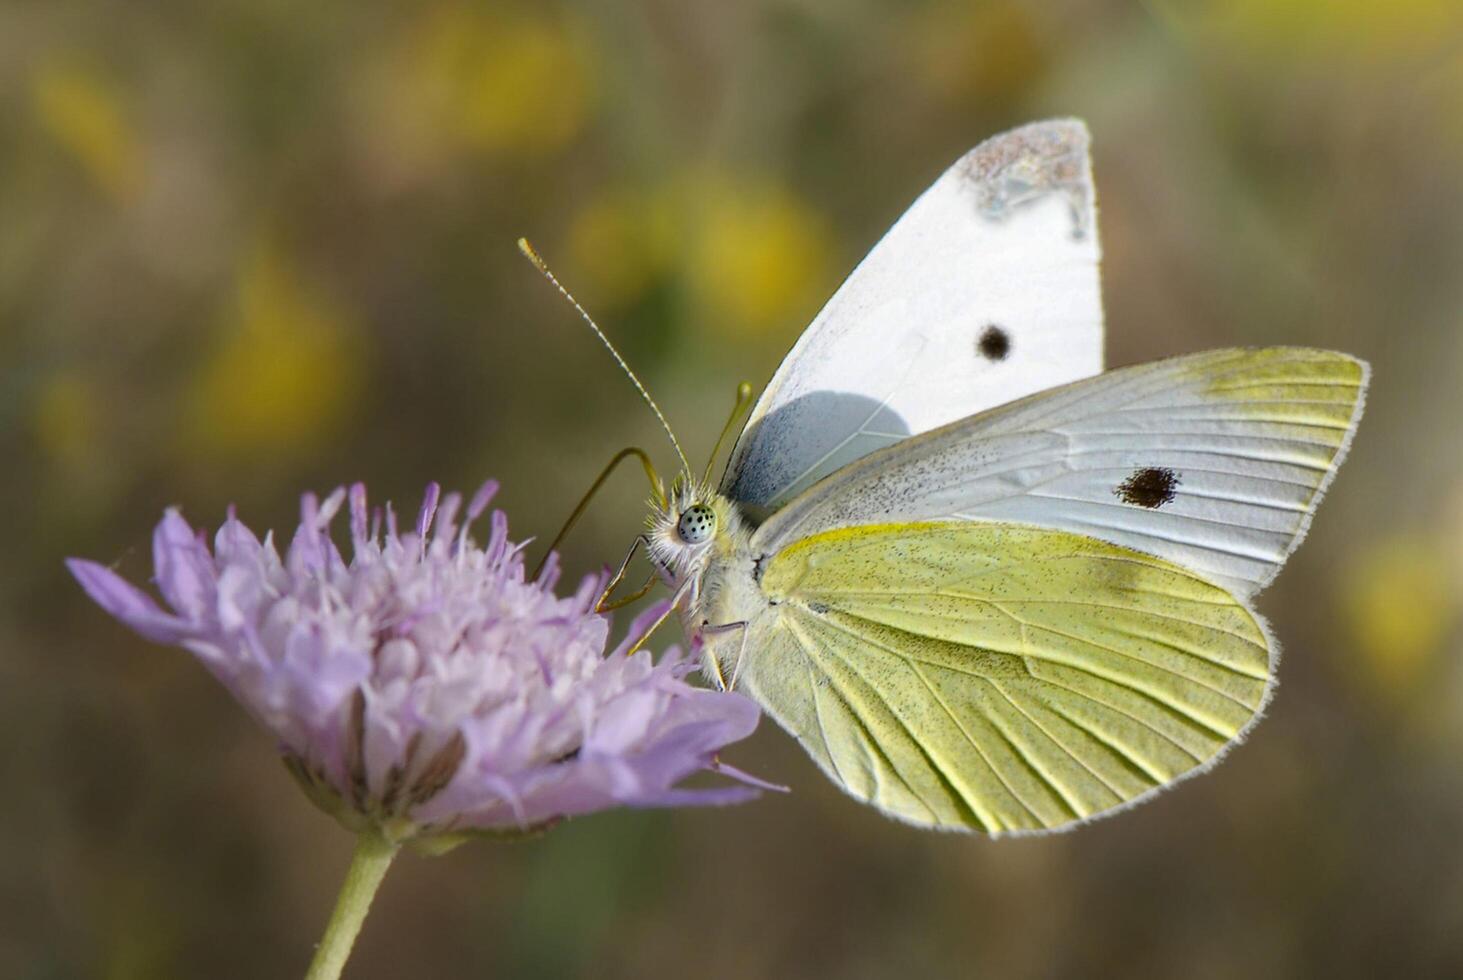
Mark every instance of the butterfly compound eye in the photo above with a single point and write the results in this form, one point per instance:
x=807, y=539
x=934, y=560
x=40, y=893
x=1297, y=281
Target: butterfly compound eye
x=697, y=524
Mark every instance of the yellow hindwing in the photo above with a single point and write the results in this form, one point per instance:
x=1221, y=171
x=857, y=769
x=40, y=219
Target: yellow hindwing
x=1002, y=677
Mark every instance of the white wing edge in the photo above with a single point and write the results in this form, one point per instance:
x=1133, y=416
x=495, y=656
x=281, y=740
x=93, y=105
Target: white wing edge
x=1363, y=386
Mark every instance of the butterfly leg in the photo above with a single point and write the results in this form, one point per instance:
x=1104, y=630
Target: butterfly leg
x=620, y=603
x=619, y=577
x=741, y=649
x=670, y=608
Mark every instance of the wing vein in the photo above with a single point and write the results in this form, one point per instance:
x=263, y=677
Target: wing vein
x=1016, y=749
x=1055, y=741
x=1063, y=793
x=940, y=766
x=1006, y=600
x=936, y=765
x=1135, y=511
x=1088, y=669
x=1157, y=777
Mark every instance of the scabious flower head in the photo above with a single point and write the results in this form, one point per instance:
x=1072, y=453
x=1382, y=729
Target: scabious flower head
x=426, y=688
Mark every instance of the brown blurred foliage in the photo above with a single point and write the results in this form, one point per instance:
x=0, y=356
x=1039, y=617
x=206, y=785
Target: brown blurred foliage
x=250, y=247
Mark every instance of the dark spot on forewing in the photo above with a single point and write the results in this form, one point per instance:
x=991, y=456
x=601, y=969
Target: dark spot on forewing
x=994, y=343
x=1151, y=488
x=821, y=608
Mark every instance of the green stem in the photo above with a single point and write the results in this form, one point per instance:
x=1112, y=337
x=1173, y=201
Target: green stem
x=368, y=866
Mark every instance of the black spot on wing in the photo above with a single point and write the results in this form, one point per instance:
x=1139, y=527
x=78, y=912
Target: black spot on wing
x=1151, y=488
x=994, y=343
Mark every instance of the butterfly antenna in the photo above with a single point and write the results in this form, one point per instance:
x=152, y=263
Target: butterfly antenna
x=744, y=398
x=541, y=266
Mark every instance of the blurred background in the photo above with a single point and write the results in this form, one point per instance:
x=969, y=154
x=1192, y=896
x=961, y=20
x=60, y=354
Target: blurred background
x=251, y=247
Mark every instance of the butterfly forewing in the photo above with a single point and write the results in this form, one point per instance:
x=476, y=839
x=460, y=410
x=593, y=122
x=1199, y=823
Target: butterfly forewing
x=984, y=291
x=1215, y=461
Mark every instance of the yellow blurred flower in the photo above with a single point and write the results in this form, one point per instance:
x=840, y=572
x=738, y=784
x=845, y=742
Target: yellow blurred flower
x=285, y=374
x=1445, y=85
x=624, y=242
x=752, y=256
x=986, y=51
x=756, y=254
x=66, y=418
x=86, y=116
x=1400, y=599
x=75, y=429
x=499, y=79
x=1356, y=31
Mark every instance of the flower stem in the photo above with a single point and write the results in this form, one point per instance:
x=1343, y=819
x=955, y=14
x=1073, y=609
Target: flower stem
x=368, y=866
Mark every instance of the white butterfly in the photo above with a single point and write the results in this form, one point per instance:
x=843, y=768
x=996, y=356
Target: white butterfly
x=986, y=587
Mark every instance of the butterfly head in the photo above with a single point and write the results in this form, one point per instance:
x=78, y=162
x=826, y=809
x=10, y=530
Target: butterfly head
x=692, y=524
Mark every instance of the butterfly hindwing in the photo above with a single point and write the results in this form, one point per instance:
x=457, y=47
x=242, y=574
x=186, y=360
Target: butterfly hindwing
x=984, y=291
x=1000, y=677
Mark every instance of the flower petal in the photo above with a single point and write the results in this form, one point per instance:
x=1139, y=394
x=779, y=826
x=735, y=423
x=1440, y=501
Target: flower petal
x=640, y=624
x=128, y=603
x=235, y=543
x=182, y=566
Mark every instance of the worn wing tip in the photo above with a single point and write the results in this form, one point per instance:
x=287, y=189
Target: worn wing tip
x=1026, y=164
x=1066, y=137
x=1069, y=130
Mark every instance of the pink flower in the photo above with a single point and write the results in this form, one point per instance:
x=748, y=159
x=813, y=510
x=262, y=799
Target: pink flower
x=425, y=687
